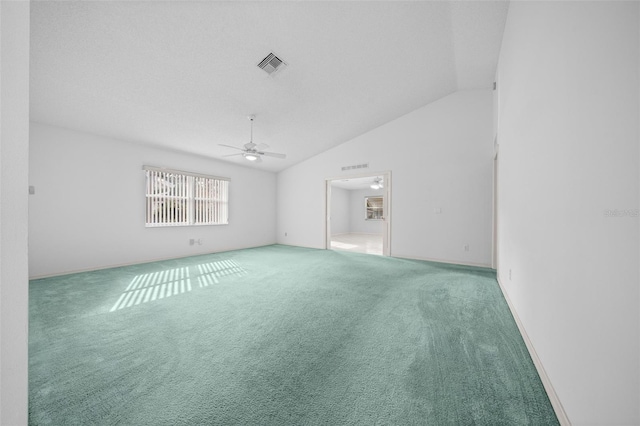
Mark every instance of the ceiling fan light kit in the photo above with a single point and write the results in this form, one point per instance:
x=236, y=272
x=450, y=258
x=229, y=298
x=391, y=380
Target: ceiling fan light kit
x=377, y=183
x=251, y=151
x=250, y=157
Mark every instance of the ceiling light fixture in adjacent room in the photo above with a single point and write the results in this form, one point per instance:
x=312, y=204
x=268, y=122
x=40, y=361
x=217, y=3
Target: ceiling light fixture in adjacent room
x=377, y=183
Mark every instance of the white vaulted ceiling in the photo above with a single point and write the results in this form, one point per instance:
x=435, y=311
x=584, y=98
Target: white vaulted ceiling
x=183, y=74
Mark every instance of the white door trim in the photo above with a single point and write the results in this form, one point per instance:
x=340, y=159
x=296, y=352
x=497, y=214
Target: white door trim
x=494, y=248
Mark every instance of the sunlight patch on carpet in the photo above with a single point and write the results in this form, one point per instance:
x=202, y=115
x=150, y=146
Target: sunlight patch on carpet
x=165, y=283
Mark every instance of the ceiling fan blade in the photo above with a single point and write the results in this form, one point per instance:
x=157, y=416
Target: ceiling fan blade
x=273, y=154
x=232, y=155
x=229, y=146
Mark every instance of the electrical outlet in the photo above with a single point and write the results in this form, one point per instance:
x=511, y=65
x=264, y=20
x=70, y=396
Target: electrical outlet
x=509, y=274
x=285, y=234
x=466, y=247
x=199, y=241
x=192, y=242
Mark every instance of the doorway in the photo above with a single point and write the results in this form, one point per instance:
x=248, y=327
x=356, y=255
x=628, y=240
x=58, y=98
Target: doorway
x=358, y=213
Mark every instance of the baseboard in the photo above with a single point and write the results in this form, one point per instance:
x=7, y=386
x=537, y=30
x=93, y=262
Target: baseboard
x=300, y=245
x=356, y=233
x=450, y=262
x=120, y=265
x=546, y=381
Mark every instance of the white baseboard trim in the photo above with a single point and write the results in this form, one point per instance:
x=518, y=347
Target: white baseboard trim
x=120, y=265
x=450, y=262
x=546, y=381
x=301, y=246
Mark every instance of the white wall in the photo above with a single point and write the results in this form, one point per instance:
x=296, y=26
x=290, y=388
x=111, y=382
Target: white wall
x=357, y=222
x=440, y=156
x=88, y=209
x=14, y=150
x=568, y=136
x=339, y=211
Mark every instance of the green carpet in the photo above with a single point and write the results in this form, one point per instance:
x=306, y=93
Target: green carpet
x=279, y=336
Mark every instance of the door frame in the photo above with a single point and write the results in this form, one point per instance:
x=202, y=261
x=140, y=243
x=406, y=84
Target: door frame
x=386, y=206
x=494, y=248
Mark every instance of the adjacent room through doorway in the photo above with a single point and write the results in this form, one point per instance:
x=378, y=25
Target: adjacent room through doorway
x=358, y=214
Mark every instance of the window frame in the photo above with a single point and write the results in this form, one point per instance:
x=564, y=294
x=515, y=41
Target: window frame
x=184, y=187
x=367, y=208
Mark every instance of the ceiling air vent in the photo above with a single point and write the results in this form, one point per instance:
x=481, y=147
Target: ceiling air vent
x=271, y=63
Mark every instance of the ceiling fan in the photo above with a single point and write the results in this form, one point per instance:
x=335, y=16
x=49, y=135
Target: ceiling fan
x=252, y=151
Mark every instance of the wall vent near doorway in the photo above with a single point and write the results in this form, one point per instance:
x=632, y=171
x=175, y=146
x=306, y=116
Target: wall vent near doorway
x=357, y=166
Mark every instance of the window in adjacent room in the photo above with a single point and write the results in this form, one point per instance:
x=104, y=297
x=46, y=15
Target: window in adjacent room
x=176, y=198
x=373, y=208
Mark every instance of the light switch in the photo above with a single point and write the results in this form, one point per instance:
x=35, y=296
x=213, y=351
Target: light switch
x=32, y=189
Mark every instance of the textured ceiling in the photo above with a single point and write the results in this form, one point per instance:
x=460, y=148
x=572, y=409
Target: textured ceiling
x=183, y=74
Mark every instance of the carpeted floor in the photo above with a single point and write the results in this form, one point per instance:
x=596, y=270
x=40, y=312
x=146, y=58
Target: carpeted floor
x=279, y=336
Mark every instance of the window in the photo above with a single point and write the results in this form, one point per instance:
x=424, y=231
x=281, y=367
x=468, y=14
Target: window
x=175, y=198
x=373, y=208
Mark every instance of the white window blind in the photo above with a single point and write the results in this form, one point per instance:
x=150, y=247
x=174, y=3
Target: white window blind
x=211, y=205
x=176, y=198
